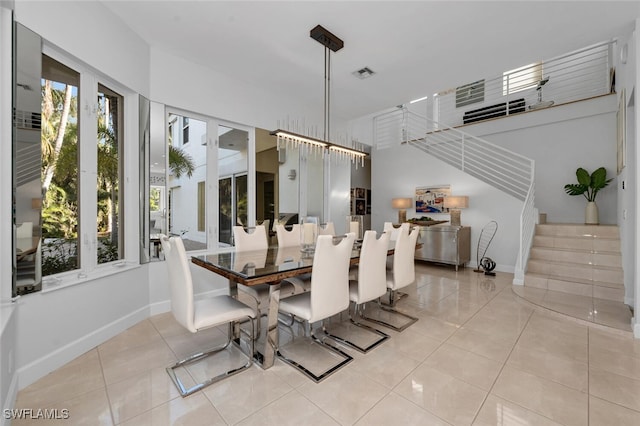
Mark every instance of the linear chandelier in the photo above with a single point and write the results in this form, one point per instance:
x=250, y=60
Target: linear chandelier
x=317, y=146
x=287, y=138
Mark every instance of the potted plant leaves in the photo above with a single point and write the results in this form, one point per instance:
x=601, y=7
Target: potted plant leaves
x=588, y=186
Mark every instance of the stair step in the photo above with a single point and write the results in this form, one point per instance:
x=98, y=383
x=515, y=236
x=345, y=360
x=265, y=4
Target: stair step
x=611, y=245
x=575, y=271
x=582, y=257
x=577, y=230
x=598, y=289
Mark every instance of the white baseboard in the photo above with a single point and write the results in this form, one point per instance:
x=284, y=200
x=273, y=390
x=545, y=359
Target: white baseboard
x=635, y=324
x=159, y=307
x=11, y=397
x=56, y=359
x=46, y=364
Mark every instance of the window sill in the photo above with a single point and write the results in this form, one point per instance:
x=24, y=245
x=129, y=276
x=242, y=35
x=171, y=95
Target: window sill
x=65, y=280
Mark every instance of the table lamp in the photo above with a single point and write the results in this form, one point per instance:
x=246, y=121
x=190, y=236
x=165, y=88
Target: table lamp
x=455, y=203
x=402, y=204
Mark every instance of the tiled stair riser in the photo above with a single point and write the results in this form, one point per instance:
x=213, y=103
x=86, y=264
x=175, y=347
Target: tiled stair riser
x=577, y=259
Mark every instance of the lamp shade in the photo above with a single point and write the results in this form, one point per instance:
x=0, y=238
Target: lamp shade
x=401, y=203
x=456, y=202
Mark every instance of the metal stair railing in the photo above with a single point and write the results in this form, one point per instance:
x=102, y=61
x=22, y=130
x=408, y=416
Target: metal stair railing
x=501, y=168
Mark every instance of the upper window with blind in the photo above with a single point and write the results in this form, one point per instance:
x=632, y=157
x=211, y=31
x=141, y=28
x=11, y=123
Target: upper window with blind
x=521, y=78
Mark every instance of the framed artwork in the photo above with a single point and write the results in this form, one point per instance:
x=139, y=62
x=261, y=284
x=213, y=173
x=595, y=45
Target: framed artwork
x=430, y=199
x=621, y=145
x=368, y=201
x=360, y=206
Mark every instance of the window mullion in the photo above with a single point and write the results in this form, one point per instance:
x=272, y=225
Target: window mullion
x=88, y=122
x=213, y=188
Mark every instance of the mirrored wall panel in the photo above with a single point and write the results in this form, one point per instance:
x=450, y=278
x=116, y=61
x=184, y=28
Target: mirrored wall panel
x=144, y=129
x=28, y=159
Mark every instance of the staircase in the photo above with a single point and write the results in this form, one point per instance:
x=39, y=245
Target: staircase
x=578, y=259
x=501, y=168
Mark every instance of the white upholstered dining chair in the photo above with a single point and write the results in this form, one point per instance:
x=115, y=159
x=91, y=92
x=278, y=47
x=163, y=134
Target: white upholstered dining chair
x=394, y=231
x=288, y=238
x=255, y=240
x=196, y=315
x=371, y=284
x=402, y=274
x=327, y=229
x=329, y=296
x=258, y=294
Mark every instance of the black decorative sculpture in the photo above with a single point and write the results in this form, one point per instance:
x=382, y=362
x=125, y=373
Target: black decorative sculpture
x=486, y=236
x=488, y=265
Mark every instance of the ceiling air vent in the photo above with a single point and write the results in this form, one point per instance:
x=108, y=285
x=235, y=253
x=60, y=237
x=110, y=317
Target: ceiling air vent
x=363, y=73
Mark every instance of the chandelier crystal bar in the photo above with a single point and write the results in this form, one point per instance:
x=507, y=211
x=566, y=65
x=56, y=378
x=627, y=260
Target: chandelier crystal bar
x=285, y=136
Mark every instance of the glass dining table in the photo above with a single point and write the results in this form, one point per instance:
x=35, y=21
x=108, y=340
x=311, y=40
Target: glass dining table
x=269, y=266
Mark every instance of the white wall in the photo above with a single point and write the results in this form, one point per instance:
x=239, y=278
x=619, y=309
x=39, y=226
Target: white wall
x=635, y=177
x=96, y=37
x=560, y=140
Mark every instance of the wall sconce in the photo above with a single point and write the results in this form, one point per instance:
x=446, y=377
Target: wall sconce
x=292, y=174
x=455, y=203
x=402, y=204
x=36, y=203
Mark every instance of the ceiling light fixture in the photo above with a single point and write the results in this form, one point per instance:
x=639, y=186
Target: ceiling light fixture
x=286, y=138
x=363, y=73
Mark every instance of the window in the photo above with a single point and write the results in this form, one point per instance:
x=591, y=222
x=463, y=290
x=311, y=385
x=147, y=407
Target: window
x=60, y=157
x=82, y=208
x=110, y=247
x=521, y=78
x=185, y=130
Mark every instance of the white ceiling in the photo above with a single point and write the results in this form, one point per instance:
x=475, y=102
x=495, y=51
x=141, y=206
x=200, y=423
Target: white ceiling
x=416, y=48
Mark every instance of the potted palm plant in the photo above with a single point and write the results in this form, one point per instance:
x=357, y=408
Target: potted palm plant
x=588, y=186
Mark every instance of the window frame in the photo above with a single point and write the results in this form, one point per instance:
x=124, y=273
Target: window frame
x=89, y=269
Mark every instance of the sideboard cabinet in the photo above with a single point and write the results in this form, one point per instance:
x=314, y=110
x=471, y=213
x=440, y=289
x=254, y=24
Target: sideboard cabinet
x=445, y=244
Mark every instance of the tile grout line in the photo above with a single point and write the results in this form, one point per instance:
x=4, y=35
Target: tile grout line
x=106, y=390
x=589, y=375
x=502, y=369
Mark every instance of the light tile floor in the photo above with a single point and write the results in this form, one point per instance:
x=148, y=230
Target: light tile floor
x=585, y=309
x=478, y=355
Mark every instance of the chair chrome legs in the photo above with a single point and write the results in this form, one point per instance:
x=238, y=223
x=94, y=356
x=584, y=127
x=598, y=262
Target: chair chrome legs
x=391, y=308
x=199, y=356
x=346, y=358
x=354, y=320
